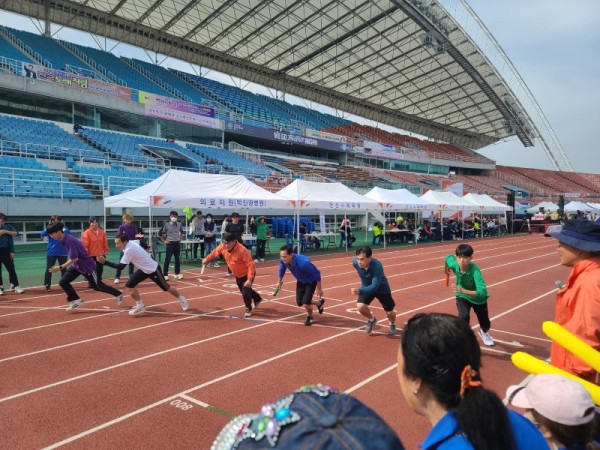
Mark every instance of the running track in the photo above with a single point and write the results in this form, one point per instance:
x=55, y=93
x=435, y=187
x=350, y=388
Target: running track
x=99, y=378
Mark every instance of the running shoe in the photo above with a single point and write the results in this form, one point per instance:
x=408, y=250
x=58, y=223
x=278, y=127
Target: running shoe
x=486, y=338
x=137, y=309
x=320, y=304
x=117, y=281
x=257, y=302
x=248, y=312
x=179, y=276
x=370, y=324
x=183, y=303
x=75, y=304
x=18, y=290
x=119, y=299
x=309, y=320
x=393, y=330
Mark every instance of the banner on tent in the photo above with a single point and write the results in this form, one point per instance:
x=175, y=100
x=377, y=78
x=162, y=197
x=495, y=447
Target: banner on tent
x=161, y=200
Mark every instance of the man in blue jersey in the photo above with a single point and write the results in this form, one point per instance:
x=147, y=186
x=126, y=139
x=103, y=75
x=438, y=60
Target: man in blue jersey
x=374, y=285
x=308, y=279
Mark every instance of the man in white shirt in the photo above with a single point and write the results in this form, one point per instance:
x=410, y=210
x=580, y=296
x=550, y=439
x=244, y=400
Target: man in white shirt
x=146, y=267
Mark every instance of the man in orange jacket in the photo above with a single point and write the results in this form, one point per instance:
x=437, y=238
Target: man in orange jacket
x=578, y=301
x=96, y=244
x=240, y=261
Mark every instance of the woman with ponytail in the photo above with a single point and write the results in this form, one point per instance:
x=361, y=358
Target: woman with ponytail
x=438, y=368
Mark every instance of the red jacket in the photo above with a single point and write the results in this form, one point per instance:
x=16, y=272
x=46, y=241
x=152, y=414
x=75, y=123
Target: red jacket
x=239, y=260
x=578, y=310
x=95, y=242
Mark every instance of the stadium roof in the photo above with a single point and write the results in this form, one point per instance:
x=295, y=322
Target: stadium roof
x=405, y=63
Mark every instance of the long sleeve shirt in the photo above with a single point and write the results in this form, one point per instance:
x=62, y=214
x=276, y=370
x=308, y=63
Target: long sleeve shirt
x=301, y=268
x=239, y=260
x=55, y=247
x=471, y=279
x=372, y=278
x=577, y=309
x=95, y=242
x=6, y=240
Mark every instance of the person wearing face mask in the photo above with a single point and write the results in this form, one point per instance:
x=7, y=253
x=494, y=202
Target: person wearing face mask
x=198, y=224
x=170, y=235
x=210, y=237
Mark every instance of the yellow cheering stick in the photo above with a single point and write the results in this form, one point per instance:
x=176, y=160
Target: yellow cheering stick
x=531, y=364
x=573, y=344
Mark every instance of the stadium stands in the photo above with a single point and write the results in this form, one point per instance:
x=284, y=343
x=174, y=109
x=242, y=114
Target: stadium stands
x=27, y=177
x=31, y=137
x=119, y=71
x=229, y=160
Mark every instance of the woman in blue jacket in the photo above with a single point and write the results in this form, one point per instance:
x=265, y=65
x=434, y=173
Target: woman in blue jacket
x=56, y=252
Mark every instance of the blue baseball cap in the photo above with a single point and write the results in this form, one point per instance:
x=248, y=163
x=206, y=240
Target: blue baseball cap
x=315, y=416
x=581, y=234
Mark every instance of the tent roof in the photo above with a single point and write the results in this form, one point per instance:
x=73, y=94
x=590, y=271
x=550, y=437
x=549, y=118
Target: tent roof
x=401, y=199
x=311, y=194
x=546, y=205
x=179, y=188
x=486, y=202
x=449, y=201
x=579, y=206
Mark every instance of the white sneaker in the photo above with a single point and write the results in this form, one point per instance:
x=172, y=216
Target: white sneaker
x=18, y=290
x=183, y=303
x=261, y=260
x=486, y=338
x=166, y=277
x=179, y=276
x=119, y=299
x=256, y=260
x=12, y=286
x=228, y=274
x=75, y=304
x=1, y=291
x=117, y=280
x=137, y=309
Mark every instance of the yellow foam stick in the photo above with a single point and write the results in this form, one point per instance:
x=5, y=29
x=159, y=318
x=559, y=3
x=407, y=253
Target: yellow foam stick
x=572, y=344
x=531, y=364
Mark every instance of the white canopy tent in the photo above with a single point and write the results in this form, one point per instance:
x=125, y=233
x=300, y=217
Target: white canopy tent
x=179, y=188
x=575, y=206
x=449, y=203
x=311, y=195
x=548, y=206
x=400, y=199
x=486, y=203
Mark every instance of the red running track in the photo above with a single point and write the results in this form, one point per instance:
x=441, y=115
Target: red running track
x=99, y=378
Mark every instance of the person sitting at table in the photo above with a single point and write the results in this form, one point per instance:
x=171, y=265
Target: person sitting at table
x=426, y=232
x=377, y=233
x=346, y=233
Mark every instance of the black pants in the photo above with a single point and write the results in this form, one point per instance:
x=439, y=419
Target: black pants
x=248, y=294
x=50, y=261
x=10, y=267
x=119, y=271
x=261, y=244
x=93, y=280
x=173, y=249
x=481, y=311
x=195, y=249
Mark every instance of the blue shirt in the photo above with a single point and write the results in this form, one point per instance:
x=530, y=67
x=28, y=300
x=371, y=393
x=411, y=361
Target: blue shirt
x=6, y=240
x=55, y=248
x=85, y=264
x=372, y=278
x=301, y=268
x=445, y=435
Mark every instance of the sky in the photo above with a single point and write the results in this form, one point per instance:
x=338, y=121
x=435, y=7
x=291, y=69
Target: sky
x=552, y=43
